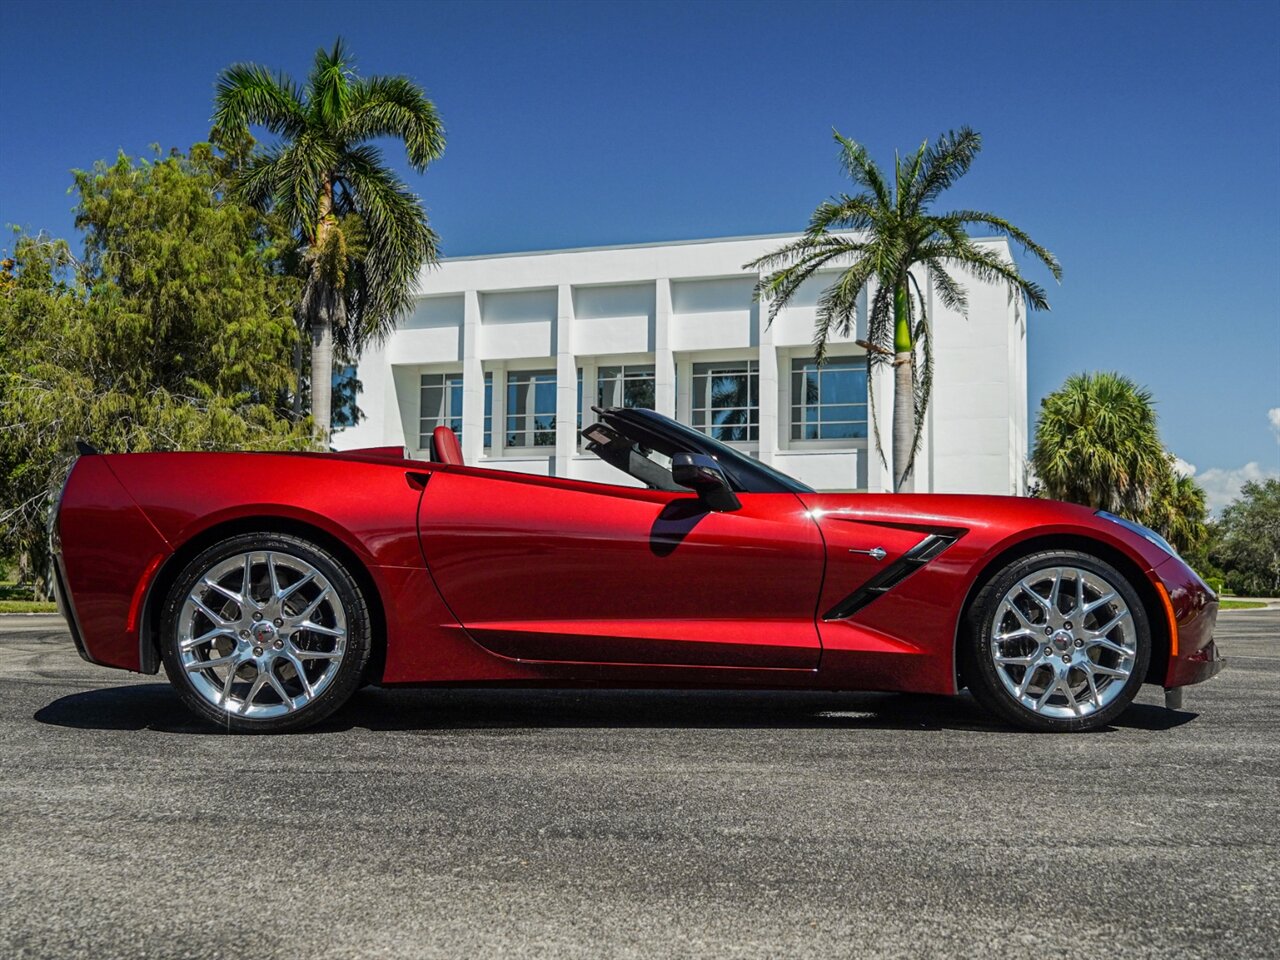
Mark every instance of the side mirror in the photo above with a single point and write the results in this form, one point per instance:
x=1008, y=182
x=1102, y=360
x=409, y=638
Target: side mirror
x=703, y=476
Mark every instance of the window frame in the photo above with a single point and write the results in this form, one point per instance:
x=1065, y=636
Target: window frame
x=589, y=372
x=688, y=364
x=446, y=373
x=785, y=405
x=536, y=368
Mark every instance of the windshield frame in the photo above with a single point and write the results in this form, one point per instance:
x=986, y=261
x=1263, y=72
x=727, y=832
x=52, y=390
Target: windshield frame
x=641, y=427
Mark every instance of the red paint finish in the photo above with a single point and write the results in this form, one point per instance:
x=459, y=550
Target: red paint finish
x=1195, y=611
x=485, y=576
x=585, y=572
x=108, y=547
x=367, y=504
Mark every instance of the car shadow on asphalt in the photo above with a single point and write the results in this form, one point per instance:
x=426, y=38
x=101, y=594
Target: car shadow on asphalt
x=154, y=706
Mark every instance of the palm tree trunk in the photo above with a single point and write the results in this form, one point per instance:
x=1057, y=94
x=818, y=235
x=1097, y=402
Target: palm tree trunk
x=322, y=366
x=297, y=379
x=322, y=321
x=904, y=414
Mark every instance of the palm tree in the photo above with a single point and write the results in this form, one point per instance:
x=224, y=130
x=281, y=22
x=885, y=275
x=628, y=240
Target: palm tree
x=1097, y=444
x=886, y=233
x=1177, y=511
x=364, y=235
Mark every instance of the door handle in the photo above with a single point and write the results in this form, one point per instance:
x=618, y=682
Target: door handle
x=875, y=553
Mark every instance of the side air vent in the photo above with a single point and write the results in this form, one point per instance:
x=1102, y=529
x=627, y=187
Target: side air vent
x=892, y=575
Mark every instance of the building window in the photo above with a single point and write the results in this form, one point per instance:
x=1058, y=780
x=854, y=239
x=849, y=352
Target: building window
x=440, y=405
x=829, y=402
x=726, y=400
x=628, y=385
x=488, y=411
x=531, y=408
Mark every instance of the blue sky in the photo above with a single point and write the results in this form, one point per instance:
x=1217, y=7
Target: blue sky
x=1138, y=141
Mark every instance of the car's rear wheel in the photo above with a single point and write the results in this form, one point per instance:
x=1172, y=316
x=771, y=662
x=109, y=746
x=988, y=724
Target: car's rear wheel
x=265, y=633
x=1057, y=641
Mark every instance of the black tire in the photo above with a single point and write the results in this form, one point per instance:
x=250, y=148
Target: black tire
x=338, y=684
x=982, y=675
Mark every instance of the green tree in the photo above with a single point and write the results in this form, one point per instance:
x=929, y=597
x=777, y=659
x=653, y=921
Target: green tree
x=1248, y=541
x=175, y=331
x=1097, y=444
x=365, y=236
x=1176, y=510
x=884, y=239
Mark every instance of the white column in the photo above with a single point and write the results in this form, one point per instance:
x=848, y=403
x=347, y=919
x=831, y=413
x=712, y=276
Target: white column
x=566, y=383
x=770, y=396
x=377, y=397
x=684, y=389
x=664, y=364
x=472, y=380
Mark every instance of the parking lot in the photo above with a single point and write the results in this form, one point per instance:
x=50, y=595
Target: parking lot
x=634, y=824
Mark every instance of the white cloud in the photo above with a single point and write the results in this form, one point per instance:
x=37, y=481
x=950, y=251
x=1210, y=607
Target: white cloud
x=1222, y=486
x=1182, y=468
x=1273, y=416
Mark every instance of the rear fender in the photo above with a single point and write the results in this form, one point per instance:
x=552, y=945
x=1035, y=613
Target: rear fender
x=110, y=552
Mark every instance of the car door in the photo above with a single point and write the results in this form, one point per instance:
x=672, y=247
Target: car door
x=568, y=571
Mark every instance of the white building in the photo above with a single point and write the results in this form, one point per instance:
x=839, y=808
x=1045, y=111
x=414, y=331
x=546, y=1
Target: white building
x=510, y=349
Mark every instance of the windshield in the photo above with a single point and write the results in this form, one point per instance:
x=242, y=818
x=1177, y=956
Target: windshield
x=631, y=438
x=726, y=455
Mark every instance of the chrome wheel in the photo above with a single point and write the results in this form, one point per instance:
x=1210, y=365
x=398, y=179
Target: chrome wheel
x=261, y=634
x=1063, y=642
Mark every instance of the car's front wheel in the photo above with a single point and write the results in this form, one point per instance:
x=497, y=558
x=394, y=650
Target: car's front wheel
x=265, y=633
x=1057, y=641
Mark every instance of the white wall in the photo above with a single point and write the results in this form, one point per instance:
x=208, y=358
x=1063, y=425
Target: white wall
x=673, y=305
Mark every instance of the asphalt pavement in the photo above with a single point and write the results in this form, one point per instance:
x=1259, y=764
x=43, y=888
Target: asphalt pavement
x=568, y=824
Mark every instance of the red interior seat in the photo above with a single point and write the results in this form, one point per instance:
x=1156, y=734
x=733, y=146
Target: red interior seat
x=445, y=447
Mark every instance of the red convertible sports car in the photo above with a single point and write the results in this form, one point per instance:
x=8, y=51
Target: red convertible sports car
x=273, y=585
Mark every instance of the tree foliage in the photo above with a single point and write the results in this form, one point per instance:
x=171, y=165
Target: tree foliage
x=365, y=235
x=1098, y=444
x=174, y=331
x=1247, y=545
x=1177, y=511
x=888, y=242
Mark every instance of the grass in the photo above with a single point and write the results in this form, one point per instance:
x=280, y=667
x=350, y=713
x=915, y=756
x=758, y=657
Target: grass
x=1240, y=604
x=28, y=606
x=16, y=599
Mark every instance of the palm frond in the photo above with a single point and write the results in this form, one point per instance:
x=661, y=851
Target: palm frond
x=951, y=293
x=258, y=180
x=843, y=212
x=396, y=107
x=329, y=86
x=906, y=182
x=805, y=246
x=988, y=267
x=945, y=162
x=779, y=287
x=879, y=330
x=251, y=95
x=880, y=321
x=305, y=163
x=399, y=240
x=1020, y=236
x=862, y=170
x=837, y=310
x=921, y=372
